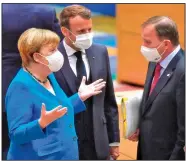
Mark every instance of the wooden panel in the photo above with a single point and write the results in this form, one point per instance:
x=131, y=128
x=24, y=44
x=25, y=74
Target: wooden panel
x=132, y=66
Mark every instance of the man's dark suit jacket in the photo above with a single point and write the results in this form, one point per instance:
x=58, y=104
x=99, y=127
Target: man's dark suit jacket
x=162, y=126
x=16, y=18
x=104, y=107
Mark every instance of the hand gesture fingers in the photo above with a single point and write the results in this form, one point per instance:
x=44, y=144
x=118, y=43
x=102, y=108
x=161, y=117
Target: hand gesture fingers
x=47, y=117
x=96, y=82
x=43, y=109
x=99, y=86
x=96, y=93
x=58, y=112
x=62, y=111
x=83, y=81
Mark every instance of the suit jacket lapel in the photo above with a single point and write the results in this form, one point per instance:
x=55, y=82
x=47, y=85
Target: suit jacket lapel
x=92, y=63
x=167, y=74
x=67, y=71
x=148, y=82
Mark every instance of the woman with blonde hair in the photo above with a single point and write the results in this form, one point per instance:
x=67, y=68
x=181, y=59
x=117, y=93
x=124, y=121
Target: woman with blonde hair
x=40, y=115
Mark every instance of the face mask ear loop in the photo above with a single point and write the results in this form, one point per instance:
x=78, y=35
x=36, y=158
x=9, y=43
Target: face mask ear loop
x=163, y=51
x=72, y=34
x=43, y=57
x=160, y=45
x=71, y=40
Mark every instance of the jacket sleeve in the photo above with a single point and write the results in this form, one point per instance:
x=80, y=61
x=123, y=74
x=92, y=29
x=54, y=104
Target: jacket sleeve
x=77, y=103
x=111, y=108
x=178, y=151
x=19, y=108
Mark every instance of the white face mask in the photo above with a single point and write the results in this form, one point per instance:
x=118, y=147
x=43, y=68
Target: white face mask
x=151, y=54
x=83, y=41
x=55, y=61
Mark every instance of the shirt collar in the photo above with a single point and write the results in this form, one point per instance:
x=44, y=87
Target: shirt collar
x=168, y=59
x=70, y=51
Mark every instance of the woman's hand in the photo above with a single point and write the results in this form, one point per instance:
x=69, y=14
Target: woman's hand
x=47, y=117
x=86, y=91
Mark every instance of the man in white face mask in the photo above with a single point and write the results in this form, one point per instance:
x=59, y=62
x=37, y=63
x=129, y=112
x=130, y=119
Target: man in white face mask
x=98, y=127
x=161, y=132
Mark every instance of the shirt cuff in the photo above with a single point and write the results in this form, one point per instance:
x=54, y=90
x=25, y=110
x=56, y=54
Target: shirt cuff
x=114, y=144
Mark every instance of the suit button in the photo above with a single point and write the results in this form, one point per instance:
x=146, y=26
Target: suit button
x=74, y=138
x=70, y=125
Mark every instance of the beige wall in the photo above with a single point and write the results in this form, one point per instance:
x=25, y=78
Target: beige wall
x=132, y=66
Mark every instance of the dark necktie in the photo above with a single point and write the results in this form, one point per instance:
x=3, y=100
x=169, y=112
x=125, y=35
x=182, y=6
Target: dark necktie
x=80, y=67
x=156, y=76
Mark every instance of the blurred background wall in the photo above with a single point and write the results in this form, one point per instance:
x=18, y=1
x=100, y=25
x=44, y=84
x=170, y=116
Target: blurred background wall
x=105, y=9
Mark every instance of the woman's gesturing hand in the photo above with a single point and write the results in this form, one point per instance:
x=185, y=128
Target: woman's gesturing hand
x=47, y=117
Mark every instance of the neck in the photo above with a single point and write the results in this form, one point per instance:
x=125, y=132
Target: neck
x=168, y=52
x=38, y=71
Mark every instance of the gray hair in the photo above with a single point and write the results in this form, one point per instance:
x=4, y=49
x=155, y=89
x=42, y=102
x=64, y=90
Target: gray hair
x=165, y=28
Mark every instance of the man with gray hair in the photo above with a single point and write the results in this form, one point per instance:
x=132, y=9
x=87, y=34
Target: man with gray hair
x=161, y=130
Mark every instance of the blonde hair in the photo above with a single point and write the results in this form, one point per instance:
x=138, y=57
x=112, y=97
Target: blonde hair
x=32, y=40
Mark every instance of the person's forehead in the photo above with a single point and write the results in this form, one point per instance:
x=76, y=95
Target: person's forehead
x=49, y=46
x=149, y=30
x=79, y=21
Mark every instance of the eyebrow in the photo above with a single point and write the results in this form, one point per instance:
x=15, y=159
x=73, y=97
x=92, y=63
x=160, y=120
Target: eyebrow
x=84, y=29
x=149, y=41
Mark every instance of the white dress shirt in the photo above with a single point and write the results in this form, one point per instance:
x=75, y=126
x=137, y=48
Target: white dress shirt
x=73, y=59
x=51, y=90
x=164, y=63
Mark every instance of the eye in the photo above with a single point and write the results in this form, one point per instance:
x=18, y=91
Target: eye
x=147, y=42
x=81, y=31
x=53, y=50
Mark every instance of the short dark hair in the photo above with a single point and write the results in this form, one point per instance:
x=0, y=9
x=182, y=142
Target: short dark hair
x=73, y=11
x=165, y=28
